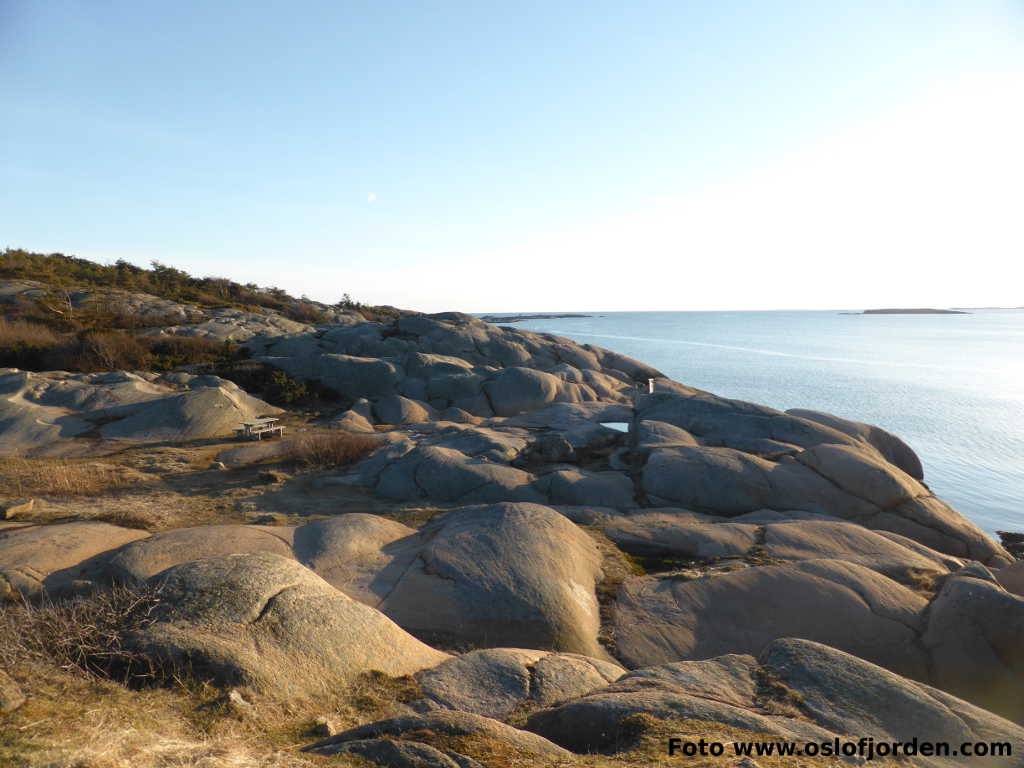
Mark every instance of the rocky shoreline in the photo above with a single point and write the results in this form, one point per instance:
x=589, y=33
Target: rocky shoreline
x=545, y=582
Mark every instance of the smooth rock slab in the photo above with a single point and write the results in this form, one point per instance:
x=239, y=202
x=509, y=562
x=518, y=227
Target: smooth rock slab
x=496, y=682
x=848, y=606
x=47, y=558
x=510, y=575
x=975, y=640
x=595, y=721
x=848, y=695
x=138, y=561
x=889, y=445
x=265, y=621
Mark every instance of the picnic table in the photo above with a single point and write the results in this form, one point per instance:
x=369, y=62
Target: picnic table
x=257, y=428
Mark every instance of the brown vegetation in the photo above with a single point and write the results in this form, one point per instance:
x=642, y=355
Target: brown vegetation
x=61, y=477
x=326, y=450
x=82, y=633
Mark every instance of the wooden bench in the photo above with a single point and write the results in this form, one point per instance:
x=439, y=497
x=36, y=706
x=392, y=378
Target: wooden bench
x=248, y=430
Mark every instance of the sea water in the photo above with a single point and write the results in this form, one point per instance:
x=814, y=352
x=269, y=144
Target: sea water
x=952, y=386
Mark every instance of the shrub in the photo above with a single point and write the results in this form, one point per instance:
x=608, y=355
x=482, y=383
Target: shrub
x=83, y=633
x=325, y=450
x=112, y=351
x=25, y=344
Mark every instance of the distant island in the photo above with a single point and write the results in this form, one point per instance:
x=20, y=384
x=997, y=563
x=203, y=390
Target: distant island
x=517, y=318
x=914, y=312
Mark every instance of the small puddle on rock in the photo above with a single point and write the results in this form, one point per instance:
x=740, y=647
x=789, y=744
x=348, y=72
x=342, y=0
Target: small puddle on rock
x=621, y=426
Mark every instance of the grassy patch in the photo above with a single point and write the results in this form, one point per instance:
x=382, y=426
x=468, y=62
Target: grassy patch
x=62, y=477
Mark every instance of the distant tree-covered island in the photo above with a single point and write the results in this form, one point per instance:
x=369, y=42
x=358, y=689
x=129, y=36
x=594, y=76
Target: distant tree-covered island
x=923, y=311
x=518, y=318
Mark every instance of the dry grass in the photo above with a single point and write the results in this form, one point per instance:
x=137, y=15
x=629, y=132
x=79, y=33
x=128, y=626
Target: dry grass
x=61, y=477
x=326, y=450
x=25, y=332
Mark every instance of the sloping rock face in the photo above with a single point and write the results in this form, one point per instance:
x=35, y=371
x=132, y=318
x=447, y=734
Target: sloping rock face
x=42, y=559
x=771, y=535
x=720, y=690
x=973, y=636
x=137, y=562
x=265, y=621
x=660, y=620
x=964, y=640
x=59, y=414
x=518, y=575
x=795, y=689
x=892, y=448
x=748, y=457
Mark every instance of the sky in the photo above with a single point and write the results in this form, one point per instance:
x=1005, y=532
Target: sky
x=552, y=155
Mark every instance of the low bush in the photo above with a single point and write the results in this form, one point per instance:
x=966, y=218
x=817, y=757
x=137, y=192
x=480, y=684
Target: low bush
x=83, y=633
x=326, y=450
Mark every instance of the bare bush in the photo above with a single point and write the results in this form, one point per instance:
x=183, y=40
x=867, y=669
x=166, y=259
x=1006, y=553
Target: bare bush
x=83, y=633
x=325, y=450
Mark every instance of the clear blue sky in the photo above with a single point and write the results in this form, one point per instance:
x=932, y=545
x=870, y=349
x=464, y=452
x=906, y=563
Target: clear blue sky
x=527, y=155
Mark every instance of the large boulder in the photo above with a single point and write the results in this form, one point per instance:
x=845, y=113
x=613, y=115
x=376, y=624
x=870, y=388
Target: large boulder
x=519, y=390
x=514, y=575
x=660, y=620
x=362, y=555
x=395, y=409
x=448, y=475
x=50, y=558
x=265, y=621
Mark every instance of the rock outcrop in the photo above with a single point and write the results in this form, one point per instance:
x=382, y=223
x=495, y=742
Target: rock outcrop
x=795, y=689
x=49, y=559
x=497, y=682
x=61, y=414
x=267, y=622
x=445, y=724
x=661, y=620
x=749, y=457
x=516, y=575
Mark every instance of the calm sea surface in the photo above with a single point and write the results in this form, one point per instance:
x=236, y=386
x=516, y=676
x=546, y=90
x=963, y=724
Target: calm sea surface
x=952, y=386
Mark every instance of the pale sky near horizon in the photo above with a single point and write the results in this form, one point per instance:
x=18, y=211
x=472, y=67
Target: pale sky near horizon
x=550, y=155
